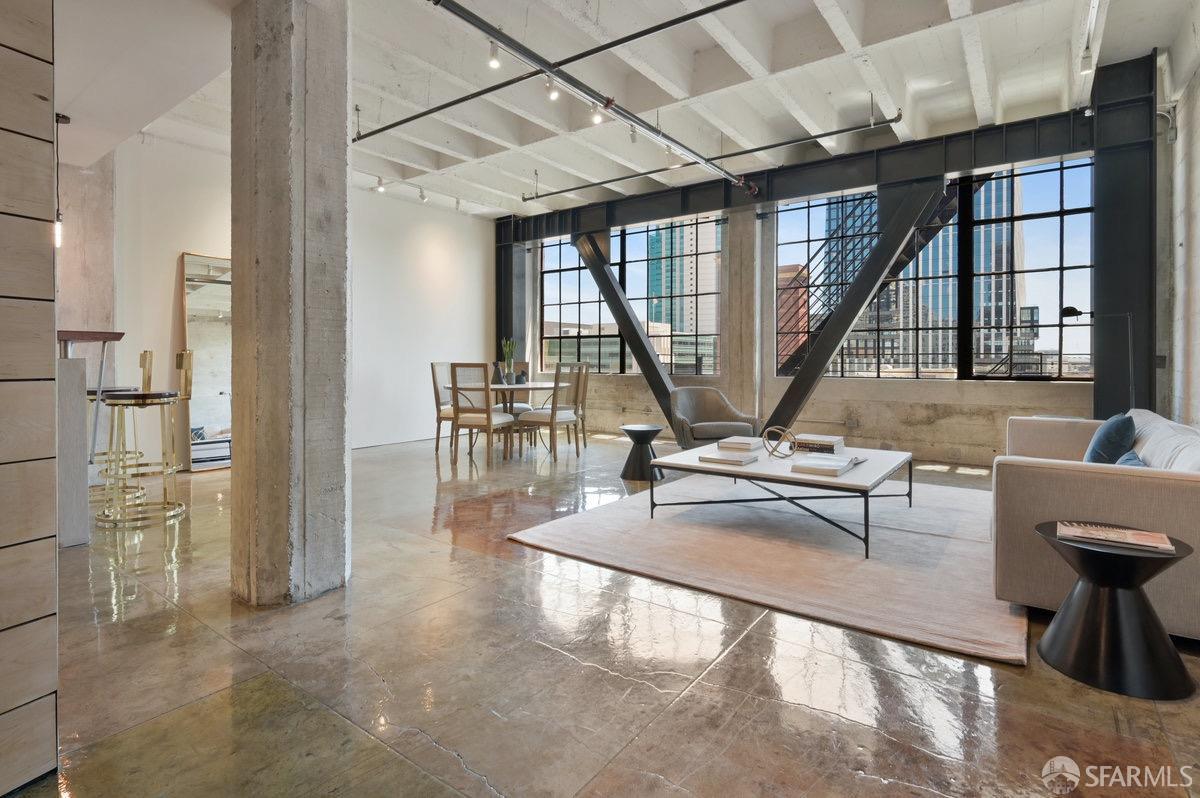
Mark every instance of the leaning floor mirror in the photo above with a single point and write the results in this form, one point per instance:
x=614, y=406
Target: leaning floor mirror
x=207, y=306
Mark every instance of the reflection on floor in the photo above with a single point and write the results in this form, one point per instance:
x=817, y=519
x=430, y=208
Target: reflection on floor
x=457, y=662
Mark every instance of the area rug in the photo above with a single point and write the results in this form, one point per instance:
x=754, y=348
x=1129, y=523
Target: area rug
x=929, y=579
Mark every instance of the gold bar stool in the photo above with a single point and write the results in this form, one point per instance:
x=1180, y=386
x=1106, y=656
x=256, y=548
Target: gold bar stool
x=125, y=468
x=126, y=492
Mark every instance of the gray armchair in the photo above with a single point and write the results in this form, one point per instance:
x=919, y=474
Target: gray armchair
x=703, y=415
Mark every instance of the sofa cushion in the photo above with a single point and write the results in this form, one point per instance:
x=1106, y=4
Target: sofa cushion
x=1130, y=458
x=1112, y=439
x=1165, y=444
x=711, y=430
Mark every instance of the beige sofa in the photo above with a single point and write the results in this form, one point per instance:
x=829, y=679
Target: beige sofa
x=1043, y=478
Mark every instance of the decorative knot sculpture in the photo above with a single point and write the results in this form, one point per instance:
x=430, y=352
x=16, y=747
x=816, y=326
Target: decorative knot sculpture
x=779, y=442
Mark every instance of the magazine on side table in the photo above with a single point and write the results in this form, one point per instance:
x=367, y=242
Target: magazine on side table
x=1113, y=535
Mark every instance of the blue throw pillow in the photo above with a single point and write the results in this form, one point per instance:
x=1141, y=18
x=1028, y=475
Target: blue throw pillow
x=1113, y=439
x=1130, y=458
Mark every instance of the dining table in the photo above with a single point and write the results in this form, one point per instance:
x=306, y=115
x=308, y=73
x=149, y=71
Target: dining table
x=506, y=392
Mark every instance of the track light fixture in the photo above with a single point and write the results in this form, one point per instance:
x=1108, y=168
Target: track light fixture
x=1086, y=65
x=597, y=117
x=551, y=89
x=493, y=55
x=421, y=195
x=379, y=186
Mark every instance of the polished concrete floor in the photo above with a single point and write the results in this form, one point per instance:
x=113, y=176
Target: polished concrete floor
x=457, y=662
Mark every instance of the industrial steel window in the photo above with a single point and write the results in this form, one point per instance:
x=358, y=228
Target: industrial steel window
x=670, y=271
x=1032, y=242
x=1028, y=257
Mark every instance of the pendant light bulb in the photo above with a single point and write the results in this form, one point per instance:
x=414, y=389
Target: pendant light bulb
x=551, y=89
x=493, y=55
x=421, y=194
x=597, y=117
x=632, y=134
x=1086, y=66
x=379, y=186
x=58, y=230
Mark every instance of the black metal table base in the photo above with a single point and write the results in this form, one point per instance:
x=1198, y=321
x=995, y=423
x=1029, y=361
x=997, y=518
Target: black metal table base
x=795, y=501
x=1106, y=633
x=1112, y=639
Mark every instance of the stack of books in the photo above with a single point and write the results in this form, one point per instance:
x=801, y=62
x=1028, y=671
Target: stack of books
x=821, y=444
x=1111, y=535
x=726, y=457
x=826, y=465
x=740, y=443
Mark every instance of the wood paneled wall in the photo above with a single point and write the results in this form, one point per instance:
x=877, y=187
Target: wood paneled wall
x=28, y=526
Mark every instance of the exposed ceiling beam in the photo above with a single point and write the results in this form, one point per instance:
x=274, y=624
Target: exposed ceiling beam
x=846, y=18
x=1087, y=13
x=662, y=60
x=811, y=107
x=743, y=125
x=665, y=61
x=976, y=60
x=748, y=40
x=437, y=48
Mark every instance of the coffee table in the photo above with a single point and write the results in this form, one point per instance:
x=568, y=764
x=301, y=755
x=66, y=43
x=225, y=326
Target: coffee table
x=1106, y=633
x=859, y=482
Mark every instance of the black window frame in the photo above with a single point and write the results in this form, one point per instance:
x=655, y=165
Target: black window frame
x=621, y=263
x=957, y=361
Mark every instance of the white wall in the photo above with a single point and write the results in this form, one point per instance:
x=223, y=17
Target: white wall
x=423, y=289
x=422, y=283
x=170, y=199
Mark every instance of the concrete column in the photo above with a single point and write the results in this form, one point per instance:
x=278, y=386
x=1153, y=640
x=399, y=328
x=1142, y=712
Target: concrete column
x=291, y=535
x=739, y=327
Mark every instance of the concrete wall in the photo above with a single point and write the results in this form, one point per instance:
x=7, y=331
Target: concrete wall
x=84, y=270
x=1185, y=277
x=170, y=199
x=422, y=290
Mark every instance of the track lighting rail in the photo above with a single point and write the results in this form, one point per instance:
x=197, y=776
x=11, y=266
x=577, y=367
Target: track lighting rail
x=533, y=73
x=589, y=95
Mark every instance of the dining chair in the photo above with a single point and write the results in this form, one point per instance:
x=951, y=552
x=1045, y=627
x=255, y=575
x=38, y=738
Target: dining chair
x=581, y=405
x=441, y=399
x=473, y=405
x=561, y=412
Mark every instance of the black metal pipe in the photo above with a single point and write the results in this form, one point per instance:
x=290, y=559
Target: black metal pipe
x=750, y=151
x=588, y=94
x=533, y=73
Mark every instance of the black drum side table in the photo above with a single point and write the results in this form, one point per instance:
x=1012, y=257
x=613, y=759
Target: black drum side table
x=637, y=465
x=1106, y=633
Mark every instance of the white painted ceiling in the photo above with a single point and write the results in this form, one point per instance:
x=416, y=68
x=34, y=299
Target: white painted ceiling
x=121, y=64
x=760, y=72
